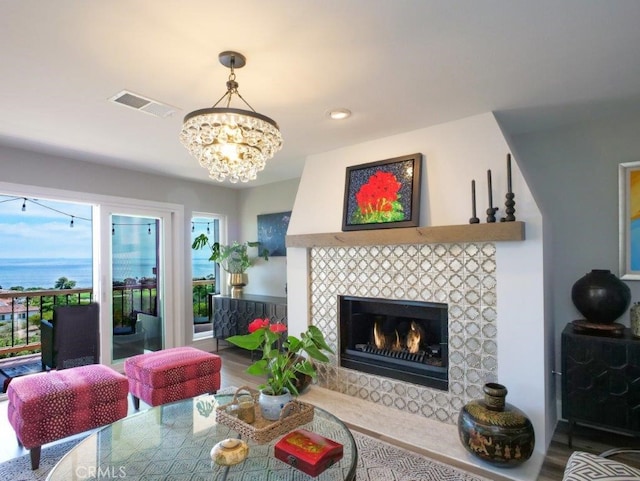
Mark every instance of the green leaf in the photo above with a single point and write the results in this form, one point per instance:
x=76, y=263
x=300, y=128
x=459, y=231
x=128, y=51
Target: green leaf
x=318, y=338
x=250, y=342
x=258, y=368
x=315, y=353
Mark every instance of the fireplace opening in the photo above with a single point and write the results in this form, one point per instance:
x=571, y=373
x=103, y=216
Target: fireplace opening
x=404, y=340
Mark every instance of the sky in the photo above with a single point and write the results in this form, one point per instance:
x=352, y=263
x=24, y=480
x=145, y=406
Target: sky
x=43, y=229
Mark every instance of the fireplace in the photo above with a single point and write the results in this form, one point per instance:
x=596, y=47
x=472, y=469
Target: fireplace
x=398, y=339
x=460, y=276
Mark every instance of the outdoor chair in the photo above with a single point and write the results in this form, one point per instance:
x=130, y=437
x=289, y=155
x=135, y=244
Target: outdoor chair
x=72, y=338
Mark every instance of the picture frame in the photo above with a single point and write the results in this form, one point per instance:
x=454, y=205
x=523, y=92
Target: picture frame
x=272, y=231
x=383, y=194
x=629, y=223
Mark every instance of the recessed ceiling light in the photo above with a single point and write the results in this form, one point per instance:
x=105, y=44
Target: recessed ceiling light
x=339, y=114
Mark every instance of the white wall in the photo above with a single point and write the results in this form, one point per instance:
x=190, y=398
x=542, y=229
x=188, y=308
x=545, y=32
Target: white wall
x=455, y=153
x=265, y=277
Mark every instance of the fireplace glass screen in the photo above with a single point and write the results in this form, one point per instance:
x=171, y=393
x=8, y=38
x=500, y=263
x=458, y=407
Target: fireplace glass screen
x=404, y=340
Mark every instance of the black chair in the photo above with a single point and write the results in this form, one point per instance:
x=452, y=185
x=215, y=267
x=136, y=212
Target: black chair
x=72, y=338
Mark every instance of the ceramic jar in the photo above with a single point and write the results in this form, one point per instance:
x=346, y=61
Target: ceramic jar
x=600, y=296
x=229, y=452
x=271, y=406
x=494, y=430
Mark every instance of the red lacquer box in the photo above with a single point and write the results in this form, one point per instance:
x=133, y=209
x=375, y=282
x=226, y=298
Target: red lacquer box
x=309, y=452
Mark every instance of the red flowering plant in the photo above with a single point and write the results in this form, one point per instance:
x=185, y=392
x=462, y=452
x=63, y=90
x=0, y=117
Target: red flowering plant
x=281, y=359
x=379, y=200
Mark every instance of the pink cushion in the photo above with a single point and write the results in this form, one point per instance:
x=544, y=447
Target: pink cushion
x=52, y=405
x=173, y=374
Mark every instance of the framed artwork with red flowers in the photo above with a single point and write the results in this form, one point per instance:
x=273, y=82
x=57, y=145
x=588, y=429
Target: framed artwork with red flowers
x=383, y=194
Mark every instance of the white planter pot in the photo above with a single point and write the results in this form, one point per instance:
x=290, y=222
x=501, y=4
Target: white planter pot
x=270, y=406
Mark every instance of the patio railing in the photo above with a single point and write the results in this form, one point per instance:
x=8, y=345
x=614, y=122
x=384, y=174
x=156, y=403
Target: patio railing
x=22, y=311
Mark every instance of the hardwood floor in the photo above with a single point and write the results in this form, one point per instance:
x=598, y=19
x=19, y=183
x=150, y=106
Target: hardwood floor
x=236, y=361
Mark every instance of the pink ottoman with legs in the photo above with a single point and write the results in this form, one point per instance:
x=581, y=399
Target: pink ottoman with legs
x=172, y=374
x=52, y=405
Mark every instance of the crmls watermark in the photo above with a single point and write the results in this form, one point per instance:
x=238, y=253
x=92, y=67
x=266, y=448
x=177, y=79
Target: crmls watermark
x=101, y=472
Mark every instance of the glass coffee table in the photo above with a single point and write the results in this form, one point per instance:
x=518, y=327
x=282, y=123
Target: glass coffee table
x=174, y=441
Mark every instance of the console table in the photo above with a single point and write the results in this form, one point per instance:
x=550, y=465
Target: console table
x=232, y=315
x=601, y=381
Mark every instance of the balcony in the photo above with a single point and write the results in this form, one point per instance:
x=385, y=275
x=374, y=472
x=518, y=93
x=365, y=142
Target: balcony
x=22, y=311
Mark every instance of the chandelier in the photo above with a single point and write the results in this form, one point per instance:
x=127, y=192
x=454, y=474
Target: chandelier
x=231, y=143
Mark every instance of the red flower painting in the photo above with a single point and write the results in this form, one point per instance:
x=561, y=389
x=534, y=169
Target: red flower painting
x=379, y=200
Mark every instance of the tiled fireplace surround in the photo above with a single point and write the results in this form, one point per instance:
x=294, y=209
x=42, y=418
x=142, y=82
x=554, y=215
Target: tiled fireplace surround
x=462, y=275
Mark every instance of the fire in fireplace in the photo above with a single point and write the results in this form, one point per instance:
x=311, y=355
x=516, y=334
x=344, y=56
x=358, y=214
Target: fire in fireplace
x=404, y=340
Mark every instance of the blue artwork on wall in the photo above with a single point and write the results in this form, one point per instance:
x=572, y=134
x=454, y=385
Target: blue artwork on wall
x=272, y=229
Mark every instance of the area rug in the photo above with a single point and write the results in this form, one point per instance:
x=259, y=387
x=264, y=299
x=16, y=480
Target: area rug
x=19, y=469
x=377, y=461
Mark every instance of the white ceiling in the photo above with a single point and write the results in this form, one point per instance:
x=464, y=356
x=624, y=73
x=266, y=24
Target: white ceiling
x=398, y=65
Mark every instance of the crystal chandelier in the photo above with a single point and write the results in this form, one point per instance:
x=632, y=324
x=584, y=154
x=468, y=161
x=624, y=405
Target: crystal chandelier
x=231, y=143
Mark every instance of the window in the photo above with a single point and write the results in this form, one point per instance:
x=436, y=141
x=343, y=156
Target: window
x=205, y=273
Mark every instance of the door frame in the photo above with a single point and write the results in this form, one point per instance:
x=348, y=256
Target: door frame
x=174, y=265
x=166, y=286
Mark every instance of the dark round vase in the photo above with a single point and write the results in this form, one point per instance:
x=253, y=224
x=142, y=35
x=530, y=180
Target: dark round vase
x=495, y=431
x=600, y=296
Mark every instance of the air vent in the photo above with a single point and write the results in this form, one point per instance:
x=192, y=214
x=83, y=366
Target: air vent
x=143, y=104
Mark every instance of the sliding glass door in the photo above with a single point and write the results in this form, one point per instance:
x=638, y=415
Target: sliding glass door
x=134, y=280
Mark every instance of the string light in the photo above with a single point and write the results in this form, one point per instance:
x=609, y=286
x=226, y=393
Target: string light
x=194, y=223
x=148, y=224
x=44, y=206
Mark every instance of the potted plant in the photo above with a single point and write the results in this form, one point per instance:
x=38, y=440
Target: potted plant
x=233, y=258
x=281, y=361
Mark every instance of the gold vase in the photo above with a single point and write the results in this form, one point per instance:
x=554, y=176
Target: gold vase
x=237, y=282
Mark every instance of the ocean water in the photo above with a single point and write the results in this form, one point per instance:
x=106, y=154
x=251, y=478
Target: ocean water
x=45, y=272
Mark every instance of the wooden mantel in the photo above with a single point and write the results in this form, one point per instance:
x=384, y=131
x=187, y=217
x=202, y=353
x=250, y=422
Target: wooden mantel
x=499, y=231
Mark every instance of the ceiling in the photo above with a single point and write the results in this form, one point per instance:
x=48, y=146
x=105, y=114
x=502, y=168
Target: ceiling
x=397, y=65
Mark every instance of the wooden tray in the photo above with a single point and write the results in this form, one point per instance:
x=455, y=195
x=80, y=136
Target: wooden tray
x=294, y=414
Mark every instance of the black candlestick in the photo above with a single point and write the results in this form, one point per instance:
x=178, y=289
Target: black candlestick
x=491, y=211
x=474, y=219
x=509, y=203
x=509, y=173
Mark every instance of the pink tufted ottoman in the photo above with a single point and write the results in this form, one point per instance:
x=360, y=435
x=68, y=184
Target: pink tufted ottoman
x=52, y=405
x=172, y=374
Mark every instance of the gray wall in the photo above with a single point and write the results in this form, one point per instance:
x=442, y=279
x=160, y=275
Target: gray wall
x=266, y=278
x=573, y=174
x=239, y=206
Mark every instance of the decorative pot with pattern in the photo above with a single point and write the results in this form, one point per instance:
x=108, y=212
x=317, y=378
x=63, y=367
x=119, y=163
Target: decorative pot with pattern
x=495, y=431
x=229, y=452
x=270, y=405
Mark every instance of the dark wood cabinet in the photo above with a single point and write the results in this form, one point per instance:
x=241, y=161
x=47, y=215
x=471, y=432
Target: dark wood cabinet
x=601, y=381
x=232, y=315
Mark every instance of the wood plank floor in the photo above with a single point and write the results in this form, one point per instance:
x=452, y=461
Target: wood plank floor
x=235, y=362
